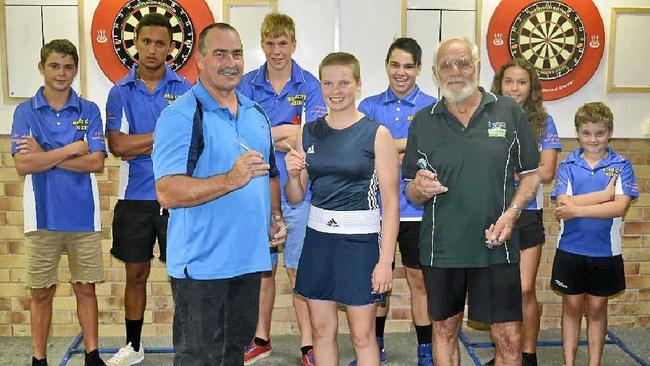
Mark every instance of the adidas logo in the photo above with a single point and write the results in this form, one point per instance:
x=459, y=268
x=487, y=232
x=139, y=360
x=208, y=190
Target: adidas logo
x=332, y=223
x=561, y=284
x=311, y=150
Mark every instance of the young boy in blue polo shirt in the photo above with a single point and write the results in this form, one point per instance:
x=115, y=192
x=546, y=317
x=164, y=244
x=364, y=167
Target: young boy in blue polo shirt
x=57, y=141
x=594, y=188
x=132, y=109
x=289, y=95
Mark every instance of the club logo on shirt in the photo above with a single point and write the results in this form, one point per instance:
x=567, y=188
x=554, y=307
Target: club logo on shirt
x=81, y=124
x=297, y=100
x=171, y=97
x=410, y=118
x=311, y=150
x=496, y=129
x=612, y=172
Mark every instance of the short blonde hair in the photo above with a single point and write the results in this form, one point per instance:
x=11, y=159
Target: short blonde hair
x=341, y=59
x=276, y=25
x=594, y=112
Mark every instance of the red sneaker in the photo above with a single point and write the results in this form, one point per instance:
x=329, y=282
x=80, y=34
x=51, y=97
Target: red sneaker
x=308, y=359
x=255, y=353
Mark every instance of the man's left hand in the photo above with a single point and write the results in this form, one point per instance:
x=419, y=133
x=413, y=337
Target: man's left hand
x=499, y=232
x=277, y=231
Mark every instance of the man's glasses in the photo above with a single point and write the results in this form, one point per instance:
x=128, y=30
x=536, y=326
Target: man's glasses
x=462, y=64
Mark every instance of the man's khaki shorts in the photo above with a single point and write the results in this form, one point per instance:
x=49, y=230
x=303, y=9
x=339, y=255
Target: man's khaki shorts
x=43, y=249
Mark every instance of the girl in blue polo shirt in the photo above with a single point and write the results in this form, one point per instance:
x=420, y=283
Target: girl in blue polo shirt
x=518, y=79
x=594, y=188
x=347, y=255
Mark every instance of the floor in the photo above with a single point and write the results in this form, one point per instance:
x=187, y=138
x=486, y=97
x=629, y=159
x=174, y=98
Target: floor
x=399, y=346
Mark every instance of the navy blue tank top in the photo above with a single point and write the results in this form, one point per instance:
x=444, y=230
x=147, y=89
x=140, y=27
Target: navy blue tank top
x=342, y=165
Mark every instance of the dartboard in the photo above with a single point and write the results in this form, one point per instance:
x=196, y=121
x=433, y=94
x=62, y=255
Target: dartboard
x=551, y=36
x=563, y=40
x=113, y=33
x=127, y=20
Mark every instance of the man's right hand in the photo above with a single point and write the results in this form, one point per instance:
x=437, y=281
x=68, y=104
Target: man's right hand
x=247, y=166
x=426, y=183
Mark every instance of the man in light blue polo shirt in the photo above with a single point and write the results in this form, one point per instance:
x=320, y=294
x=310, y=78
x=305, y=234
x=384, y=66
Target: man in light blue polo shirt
x=289, y=96
x=395, y=109
x=133, y=106
x=215, y=169
x=57, y=141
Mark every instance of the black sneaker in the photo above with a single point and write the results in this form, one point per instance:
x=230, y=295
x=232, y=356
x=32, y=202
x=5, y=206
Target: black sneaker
x=93, y=359
x=36, y=362
x=528, y=359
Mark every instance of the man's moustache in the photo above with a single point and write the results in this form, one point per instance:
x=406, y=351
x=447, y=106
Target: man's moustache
x=228, y=72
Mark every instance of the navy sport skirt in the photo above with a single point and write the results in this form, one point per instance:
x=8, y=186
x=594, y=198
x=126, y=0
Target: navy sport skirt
x=338, y=267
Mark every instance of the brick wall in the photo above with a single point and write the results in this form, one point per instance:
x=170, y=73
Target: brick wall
x=632, y=309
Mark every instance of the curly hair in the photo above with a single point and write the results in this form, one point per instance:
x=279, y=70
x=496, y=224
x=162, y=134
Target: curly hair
x=594, y=112
x=533, y=104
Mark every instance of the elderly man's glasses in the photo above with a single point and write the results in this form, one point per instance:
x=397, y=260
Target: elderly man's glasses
x=462, y=64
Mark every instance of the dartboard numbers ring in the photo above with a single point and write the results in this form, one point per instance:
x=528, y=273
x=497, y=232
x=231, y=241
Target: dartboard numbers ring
x=113, y=33
x=563, y=40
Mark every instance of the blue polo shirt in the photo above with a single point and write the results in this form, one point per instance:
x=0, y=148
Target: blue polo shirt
x=300, y=98
x=549, y=140
x=59, y=199
x=593, y=237
x=228, y=236
x=396, y=114
x=132, y=109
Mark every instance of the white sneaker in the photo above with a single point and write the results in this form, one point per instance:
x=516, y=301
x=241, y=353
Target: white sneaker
x=127, y=356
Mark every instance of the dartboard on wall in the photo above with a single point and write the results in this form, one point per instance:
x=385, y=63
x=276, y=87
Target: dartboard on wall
x=563, y=40
x=113, y=33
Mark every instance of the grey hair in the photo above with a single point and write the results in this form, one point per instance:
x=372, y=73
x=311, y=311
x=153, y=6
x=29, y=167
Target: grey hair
x=468, y=42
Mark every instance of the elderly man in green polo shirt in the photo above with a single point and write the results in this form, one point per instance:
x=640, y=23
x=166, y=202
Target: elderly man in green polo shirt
x=461, y=157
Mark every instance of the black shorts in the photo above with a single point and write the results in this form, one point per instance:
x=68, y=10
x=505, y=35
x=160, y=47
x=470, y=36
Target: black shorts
x=575, y=274
x=408, y=239
x=136, y=226
x=494, y=292
x=531, y=229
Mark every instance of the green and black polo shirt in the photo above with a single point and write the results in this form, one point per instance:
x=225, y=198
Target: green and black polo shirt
x=478, y=164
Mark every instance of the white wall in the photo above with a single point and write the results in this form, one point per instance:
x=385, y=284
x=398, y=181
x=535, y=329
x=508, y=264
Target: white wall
x=366, y=28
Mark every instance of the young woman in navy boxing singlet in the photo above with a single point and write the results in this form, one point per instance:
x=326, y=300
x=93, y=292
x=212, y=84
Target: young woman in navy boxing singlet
x=347, y=255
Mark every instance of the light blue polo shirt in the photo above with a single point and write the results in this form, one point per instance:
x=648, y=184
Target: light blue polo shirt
x=300, y=98
x=396, y=114
x=228, y=236
x=132, y=109
x=549, y=140
x=59, y=199
x=593, y=237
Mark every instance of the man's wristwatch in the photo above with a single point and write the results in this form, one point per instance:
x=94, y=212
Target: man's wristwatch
x=516, y=208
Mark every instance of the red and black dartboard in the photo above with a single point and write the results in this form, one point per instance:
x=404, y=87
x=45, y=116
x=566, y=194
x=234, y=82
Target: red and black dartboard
x=113, y=33
x=563, y=40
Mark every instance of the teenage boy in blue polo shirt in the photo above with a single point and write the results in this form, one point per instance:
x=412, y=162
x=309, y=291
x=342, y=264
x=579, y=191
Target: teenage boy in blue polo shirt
x=594, y=188
x=395, y=109
x=288, y=94
x=57, y=141
x=133, y=106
